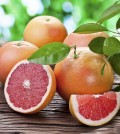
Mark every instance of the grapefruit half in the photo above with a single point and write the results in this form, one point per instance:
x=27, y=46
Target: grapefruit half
x=29, y=87
x=94, y=110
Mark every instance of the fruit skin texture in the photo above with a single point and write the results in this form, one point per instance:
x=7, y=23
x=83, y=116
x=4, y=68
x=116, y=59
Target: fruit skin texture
x=44, y=29
x=82, y=40
x=73, y=107
x=82, y=75
x=46, y=99
x=13, y=52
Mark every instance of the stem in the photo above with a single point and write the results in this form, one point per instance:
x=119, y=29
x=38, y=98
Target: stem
x=103, y=67
x=115, y=35
x=114, y=32
x=118, y=31
x=75, y=54
x=108, y=58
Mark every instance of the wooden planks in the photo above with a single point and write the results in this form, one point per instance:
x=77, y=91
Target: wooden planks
x=54, y=119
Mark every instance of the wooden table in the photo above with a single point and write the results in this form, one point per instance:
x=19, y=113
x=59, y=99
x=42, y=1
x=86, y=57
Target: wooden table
x=54, y=119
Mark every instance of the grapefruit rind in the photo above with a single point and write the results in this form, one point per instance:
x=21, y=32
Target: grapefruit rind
x=73, y=106
x=51, y=88
x=83, y=74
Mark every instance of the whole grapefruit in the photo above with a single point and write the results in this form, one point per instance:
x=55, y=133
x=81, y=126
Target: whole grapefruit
x=44, y=29
x=13, y=52
x=82, y=75
x=82, y=40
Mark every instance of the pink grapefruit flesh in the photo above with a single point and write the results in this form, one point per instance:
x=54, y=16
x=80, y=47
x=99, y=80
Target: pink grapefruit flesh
x=28, y=86
x=94, y=110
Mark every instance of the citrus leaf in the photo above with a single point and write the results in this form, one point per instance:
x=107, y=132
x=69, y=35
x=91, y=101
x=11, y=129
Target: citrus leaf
x=117, y=89
x=118, y=24
x=96, y=45
x=115, y=63
x=90, y=28
x=50, y=53
x=109, y=13
x=111, y=46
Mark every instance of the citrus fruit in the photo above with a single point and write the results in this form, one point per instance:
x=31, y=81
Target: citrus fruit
x=94, y=110
x=82, y=40
x=29, y=87
x=11, y=53
x=44, y=29
x=82, y=75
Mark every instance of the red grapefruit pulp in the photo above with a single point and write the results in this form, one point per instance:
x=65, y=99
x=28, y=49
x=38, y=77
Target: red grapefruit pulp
x=95, y=110
x=29, y=87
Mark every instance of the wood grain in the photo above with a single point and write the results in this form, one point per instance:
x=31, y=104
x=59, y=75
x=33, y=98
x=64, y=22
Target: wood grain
x=54, y=119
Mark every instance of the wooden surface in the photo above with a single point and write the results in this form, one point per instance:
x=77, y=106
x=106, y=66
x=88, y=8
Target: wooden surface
x=54, y=119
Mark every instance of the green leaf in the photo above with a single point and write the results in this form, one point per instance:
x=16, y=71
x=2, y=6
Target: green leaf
x=115, y=63
x=96, y=45
x=117, y=89
x=118, y=24
x=90, y=28
x=50, y=53
x=109, y=13
x=111, y=46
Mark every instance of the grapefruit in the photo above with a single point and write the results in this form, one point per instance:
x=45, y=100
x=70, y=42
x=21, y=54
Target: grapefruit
x=11, y=53
x=94, y=110
x=29, y=87
x=82, y=40
x=82, y=75
x=44, y=29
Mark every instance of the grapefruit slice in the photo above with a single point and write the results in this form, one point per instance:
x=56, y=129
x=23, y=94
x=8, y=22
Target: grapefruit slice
x=94, y=110
x=29, y=87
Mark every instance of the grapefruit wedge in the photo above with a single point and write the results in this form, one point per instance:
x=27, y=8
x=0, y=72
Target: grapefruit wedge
x=29, y=87
x=94, y=110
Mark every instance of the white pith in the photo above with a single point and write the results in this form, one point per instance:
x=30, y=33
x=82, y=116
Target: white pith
x=26, y=84
x=90, y=122
x=45, y=67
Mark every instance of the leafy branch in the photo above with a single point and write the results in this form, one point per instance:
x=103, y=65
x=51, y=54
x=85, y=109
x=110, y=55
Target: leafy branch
x=110, y=46
x=54, y=52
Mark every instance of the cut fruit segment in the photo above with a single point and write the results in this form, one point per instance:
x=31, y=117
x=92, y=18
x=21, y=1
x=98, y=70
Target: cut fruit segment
x=94, y=110
x=29, y=87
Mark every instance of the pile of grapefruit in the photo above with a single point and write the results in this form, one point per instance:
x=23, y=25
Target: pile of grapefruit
x=29, y=87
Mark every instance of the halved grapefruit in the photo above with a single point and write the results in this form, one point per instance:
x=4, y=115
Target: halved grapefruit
x=29, y=87
x=94, y=110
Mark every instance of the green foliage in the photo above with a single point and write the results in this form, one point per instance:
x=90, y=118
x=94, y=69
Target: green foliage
x=96, y=45
x=118, y=24
x=109, y=46
x=21, y=18
x=55, y=52
x=90, y=28
x=117, y=89
x=110, y=12
x=50, y=53
x=115, y=62
x=79, y=13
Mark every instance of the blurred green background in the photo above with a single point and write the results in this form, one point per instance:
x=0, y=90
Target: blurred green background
x=15, y=14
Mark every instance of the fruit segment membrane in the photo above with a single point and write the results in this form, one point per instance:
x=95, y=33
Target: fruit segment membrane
x=26, y=90
x=99, y=104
